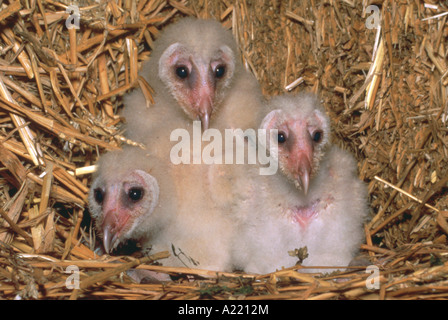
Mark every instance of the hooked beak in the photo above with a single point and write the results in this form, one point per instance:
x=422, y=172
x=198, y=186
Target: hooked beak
x=112, y=227
x=304, y=181
x=205, y=110
x=109, y=238
x=204, y=98
x=205, y=120
x=304, y=172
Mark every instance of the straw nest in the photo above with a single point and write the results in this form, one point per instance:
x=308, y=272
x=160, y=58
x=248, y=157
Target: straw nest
x=60, y=95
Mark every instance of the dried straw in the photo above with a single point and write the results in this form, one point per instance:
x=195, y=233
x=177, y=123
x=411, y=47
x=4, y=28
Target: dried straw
x=61, y=92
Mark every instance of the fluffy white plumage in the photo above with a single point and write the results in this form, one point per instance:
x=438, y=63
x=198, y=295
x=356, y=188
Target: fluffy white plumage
x=277, y=216
x=123, y=197
x=216, y=90
x=166, y=215
x=196, y=72
x=216, y=216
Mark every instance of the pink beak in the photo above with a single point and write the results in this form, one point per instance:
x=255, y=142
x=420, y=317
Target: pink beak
x=204, y=97
x=301, y=155
x=204, y=112
x=304, y=172
x=112, y=226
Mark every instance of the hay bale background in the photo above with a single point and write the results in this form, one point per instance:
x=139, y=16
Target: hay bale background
x=60, y=94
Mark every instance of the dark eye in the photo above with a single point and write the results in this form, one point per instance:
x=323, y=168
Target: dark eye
x=98, y=195
x=220, y=71
x=317, y=136
x=135, y=194
x=182, y=72
x=281, y=137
